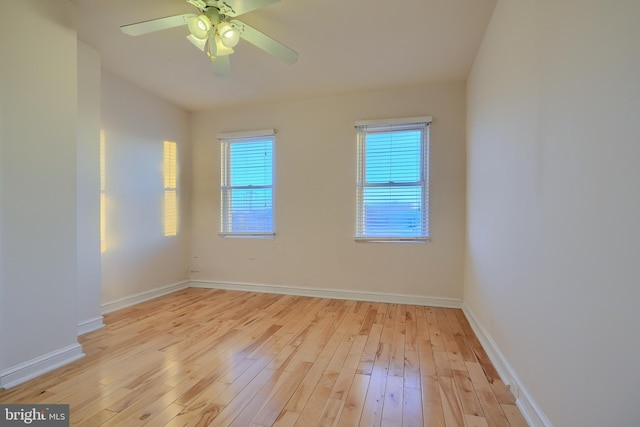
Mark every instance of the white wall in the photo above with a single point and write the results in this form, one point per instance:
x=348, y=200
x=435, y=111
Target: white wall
x=553, y=204
x=38, y=108
x=315, y=192
x=138, y=258
x=88, y=208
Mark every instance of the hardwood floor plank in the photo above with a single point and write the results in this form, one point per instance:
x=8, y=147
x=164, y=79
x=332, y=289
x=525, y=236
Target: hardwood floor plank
x=396, y=362
x=349, y=369
x=98, y=419
x=272, y=400
x=208, y=377
x=321, y=395
x=426, y=358
x=460, y=336
x=451, y=405
x=412, y=408
x=488, y=400
x=411, y=351
x=286, y=419
x=371, y=348
x=411, y=328
x=435, y=336
x=432, y=408
x=451, y=346
x=234, y=400
x=372, y=410
x=467, y=393
x=354, y=402
x=443, y=367
x=514, y=416
x=260, y=399
x=134, y=413
x=502, y=392
x=411, y=370
x=162, y=417
x=474, y=421
x=226, y=358
x=368, y=322
x=331, y=413
x=393, y=400
x=488, y=368
x=97, y=405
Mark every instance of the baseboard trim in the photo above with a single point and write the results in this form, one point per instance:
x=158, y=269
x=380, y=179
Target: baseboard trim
x=40, y=365
x=331, y=293
x=90, y=325
x=130, y=300
x=534, y=416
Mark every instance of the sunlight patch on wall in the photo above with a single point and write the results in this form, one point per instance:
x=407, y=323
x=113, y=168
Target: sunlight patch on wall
x=103, y=197
x=170, y=189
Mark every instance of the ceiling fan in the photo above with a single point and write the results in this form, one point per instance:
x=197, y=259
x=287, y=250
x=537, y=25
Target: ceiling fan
x=213, y=26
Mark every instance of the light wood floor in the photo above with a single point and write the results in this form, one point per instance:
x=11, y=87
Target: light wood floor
x=210, y=357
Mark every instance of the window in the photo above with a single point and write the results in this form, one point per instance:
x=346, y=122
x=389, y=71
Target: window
x=246, y=184
x=392, y=200
x=170, y=213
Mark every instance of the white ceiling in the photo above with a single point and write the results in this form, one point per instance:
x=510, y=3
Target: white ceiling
x=345, y=46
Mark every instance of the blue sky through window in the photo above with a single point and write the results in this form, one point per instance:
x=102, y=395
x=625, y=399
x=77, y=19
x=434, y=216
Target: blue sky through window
x=252, y=163
x=393, y=157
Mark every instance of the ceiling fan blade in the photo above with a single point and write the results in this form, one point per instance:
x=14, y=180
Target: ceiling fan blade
x=265, y=42
x=238, y=7
x=153, y=25
x=221, y=66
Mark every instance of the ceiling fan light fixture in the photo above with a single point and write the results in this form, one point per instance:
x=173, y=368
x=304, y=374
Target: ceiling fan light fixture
x=199, y=26
x=229, y=35
x=199, y=43
x=221, y=48
x=213, y=25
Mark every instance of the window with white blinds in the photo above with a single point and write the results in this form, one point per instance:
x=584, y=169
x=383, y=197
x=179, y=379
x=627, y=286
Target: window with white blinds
x=392, y=188
x=246, y=188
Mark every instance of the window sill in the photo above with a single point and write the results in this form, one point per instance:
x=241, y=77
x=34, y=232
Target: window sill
x=248, y=235
x=392, y=240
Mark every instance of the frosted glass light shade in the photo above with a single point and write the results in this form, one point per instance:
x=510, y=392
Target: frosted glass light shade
x=229, y=35
x=199, y=26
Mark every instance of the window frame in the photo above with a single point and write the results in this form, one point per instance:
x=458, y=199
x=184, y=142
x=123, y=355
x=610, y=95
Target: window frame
x=226, y=219
x=367, y=127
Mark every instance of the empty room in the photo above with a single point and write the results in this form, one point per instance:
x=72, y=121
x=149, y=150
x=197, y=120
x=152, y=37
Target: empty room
x=298, y=212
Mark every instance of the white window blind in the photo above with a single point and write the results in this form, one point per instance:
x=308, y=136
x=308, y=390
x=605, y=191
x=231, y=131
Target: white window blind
x=246, y=189
x=392, y=200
